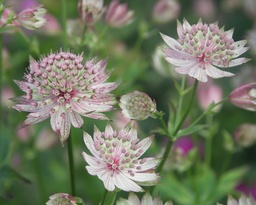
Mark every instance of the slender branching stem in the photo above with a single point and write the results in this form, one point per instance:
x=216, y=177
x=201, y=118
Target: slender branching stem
x=71, y=166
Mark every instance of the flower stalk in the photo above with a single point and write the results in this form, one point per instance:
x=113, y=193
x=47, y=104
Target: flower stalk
x=71, y=166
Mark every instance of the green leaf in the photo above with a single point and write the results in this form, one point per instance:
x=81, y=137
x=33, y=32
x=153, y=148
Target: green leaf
x=190, y=130
x=171, y=187
x=227, y=182
x=228, y=141
x=8, y=174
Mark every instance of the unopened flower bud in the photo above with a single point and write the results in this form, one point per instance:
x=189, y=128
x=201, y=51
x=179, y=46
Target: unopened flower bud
x=32, y=18
x=244, y=96
x=137, y=105
x=118, y=15
x=90, y=11
x=245, y=135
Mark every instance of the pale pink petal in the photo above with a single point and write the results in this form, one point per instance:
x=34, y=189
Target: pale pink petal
x=124, y=183
x=198, y=73
x=90, y=144
x=216, y=73
x=76, y=120
x=144, y=145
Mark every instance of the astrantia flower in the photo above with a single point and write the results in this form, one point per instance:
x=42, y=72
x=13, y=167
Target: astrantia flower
x=201, y=48
x=32, y=18
x=61, y=87
x=64, y=199
x=116, y=159
x=244, y=96
x=146, y=200
x=137, y=105
x=245, y=134
x=243, y=200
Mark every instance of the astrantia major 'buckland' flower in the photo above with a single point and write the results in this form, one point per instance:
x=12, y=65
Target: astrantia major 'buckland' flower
x=244, y=96
x=32, y=18
x=202, y=48
x=137, y=105
x=61, y=87
x=243, y=200
x=118, y=15
x=64, y=199
x=146, y=200
x=116, y=160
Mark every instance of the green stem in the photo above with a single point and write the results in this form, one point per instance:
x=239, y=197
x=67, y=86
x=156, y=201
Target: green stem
x=208, y=145
x=165, y=156
x=39, y=177
x=188, y=109
x=108, y=198
x=71, y=166
x=64, y=23
x=1, y=78
x=180, y=102
x=174, y=133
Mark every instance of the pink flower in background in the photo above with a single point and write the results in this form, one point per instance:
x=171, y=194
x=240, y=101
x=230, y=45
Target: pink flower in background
x=165, y=10
x=244, y=96
x=6, y=21
x=118, y=15
x=209, y=93
x=147, y=199
x=116, y=160
x=205, y=8
x=201, y=49
x=61, y=87
x=247, y=189
x=90, y=11
x=32, y=18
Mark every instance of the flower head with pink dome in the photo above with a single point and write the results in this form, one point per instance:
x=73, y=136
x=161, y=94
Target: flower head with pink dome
x=202, y=49
x=116, y=160
x=62, y=87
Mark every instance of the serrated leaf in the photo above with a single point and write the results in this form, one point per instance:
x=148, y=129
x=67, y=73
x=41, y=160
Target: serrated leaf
x=190, y=130
x=171, y=187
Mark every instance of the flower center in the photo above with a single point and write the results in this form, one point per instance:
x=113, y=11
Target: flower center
x=113, y=164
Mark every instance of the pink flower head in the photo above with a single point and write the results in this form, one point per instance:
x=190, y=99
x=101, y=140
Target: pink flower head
x=201, y=49
x=244, y=96
x=32, y=18
x=165, y=10
x=118, y=15
x=64, y=199
x=147, y=199
x=116, y=159
x=247, y=189
x=61, y=87
x=90, y=11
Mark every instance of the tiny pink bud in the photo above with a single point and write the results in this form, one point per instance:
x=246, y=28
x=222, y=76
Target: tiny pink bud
x=244, y=96
x=118, y=15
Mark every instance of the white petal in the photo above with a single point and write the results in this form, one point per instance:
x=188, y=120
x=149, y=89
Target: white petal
x=90, y=144
x=76, y=120
x=107, y=180
x=145, y=144
x=171, y=42
x=143, y=177
x=126, y=184
x=216, y=73
x=198, y=73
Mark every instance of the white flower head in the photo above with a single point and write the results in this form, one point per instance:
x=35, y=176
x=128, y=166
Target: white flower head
x=202, y=48
x=147, y=199
x=243, y=200
x=116, y=160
